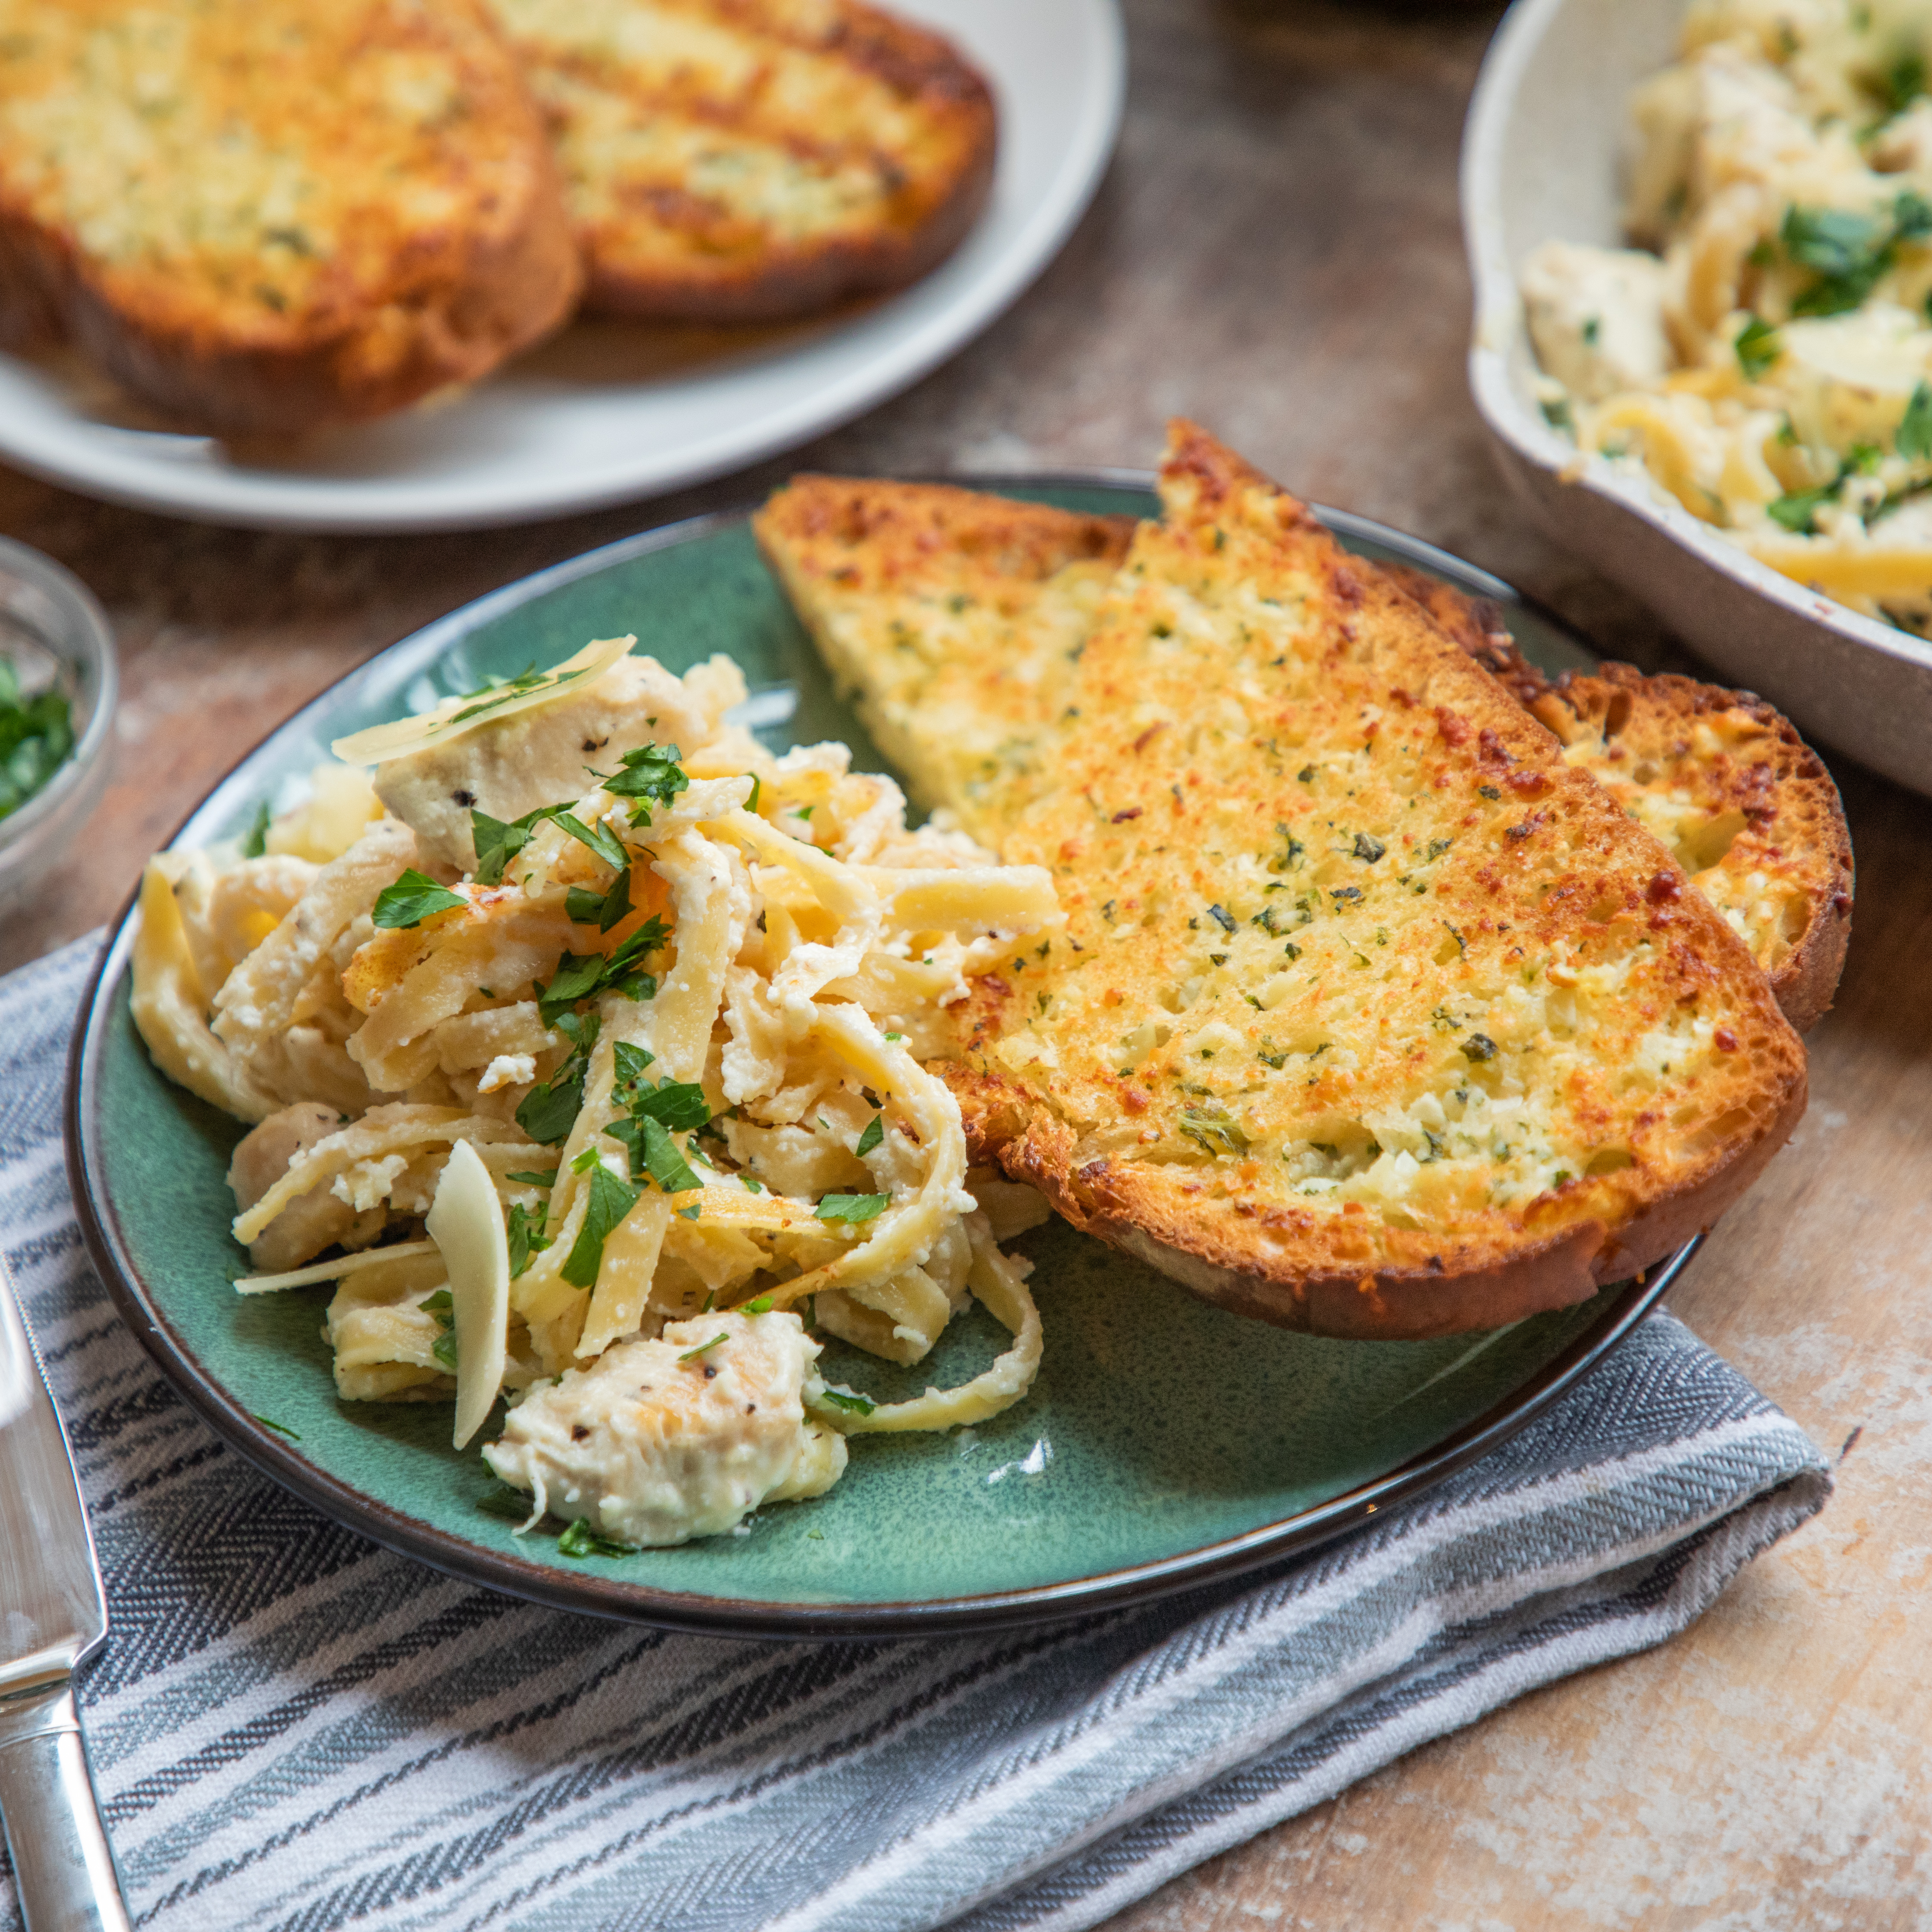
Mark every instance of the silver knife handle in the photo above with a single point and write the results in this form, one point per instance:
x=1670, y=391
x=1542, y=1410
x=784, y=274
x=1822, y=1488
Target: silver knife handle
x=63, y=1864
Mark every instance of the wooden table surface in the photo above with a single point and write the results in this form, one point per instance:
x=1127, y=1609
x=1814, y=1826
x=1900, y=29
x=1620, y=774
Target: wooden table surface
x=1275, y=252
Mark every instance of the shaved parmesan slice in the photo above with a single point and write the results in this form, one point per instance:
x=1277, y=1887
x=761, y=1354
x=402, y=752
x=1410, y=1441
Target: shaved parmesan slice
x=455, y=716
x=334, y=1270
x=465, y=1222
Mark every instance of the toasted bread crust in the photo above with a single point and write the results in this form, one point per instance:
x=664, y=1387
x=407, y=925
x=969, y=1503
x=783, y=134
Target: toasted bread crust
x=1477, y=626
x=1472, y=1289
x=1040, y=1077
x=1762, y=829
x=420, y=251
x=861, y=149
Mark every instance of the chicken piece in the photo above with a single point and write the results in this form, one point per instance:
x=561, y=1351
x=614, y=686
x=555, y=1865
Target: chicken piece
x=1597, y=317
x=657, y=1442
x=311, y=1221
x=536, y=756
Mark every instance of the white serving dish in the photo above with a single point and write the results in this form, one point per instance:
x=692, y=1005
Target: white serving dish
x=1542, y=159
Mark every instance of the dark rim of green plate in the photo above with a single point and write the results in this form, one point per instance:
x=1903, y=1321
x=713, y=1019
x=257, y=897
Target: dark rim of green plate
x=595, y=1596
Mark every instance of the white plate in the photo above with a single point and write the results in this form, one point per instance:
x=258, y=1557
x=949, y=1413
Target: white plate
x=610, y=412
x=1542, y=157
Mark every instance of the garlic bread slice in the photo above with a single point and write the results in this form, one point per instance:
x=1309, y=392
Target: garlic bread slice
x=1372, y=1016
x=268, y=217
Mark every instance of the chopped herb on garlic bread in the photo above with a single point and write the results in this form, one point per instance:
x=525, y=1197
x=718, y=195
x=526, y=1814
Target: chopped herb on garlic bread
x=265, y=218
x=729, y=160
x=958, y=620
x=1372, y=1015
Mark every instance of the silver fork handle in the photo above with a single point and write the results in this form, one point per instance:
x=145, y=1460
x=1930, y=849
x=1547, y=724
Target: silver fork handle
x=63, y=1864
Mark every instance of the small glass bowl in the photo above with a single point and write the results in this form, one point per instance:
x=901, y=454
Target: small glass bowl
x=57, y=636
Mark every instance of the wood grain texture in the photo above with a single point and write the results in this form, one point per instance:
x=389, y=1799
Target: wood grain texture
x=1276, y=253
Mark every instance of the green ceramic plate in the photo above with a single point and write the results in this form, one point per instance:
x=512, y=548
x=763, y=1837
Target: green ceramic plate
x=1165, y=1442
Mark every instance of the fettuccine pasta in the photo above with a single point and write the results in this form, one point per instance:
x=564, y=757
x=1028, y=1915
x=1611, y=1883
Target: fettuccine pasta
x=667, y=995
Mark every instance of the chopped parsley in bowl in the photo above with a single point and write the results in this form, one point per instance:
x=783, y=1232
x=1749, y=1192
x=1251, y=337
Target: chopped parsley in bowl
x=36, y=737
x=58, y=682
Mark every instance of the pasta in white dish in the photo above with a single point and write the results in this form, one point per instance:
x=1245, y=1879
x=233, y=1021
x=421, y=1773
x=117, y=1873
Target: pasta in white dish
x=1764, y=354
x=590, y=1024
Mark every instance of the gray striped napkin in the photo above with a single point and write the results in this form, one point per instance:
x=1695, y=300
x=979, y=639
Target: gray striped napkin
x=292, y=1729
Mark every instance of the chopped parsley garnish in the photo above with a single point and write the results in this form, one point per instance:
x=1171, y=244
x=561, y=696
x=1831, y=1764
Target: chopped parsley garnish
x=645, y=1133
x=679, y=1105
x=1214, y=1130
x=579, y=975
x=610, y=1201
x=1489, y=792
x=280, y=1428
x=414, y=897
x=630, y=1061
x=1797, y=509
x=256, y=845
x=762, y=1306
x=525, y=1231
x=500, y=1499
x=549, y=1111
x=501, y=691
x=1915, y=432
x=498, y=841
x=440, y=1305
x=852, y=1208
x=1758, y=346
x=599, y=838
x=622, y=974
x=581, y=1540
x=650, y=774
x=705, y=1348
x=845, y=1398
x=757, y=786
x=1221, y=917
x=533, y=1179
x=508, y=687
x=1902, y=81
x=602, y=909
x=875, y=1132
x=1479, y=1046
x=663, y=1161
x=1346, y=895
x=35, y=737
x=1368, y=846
x=1849, y=253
